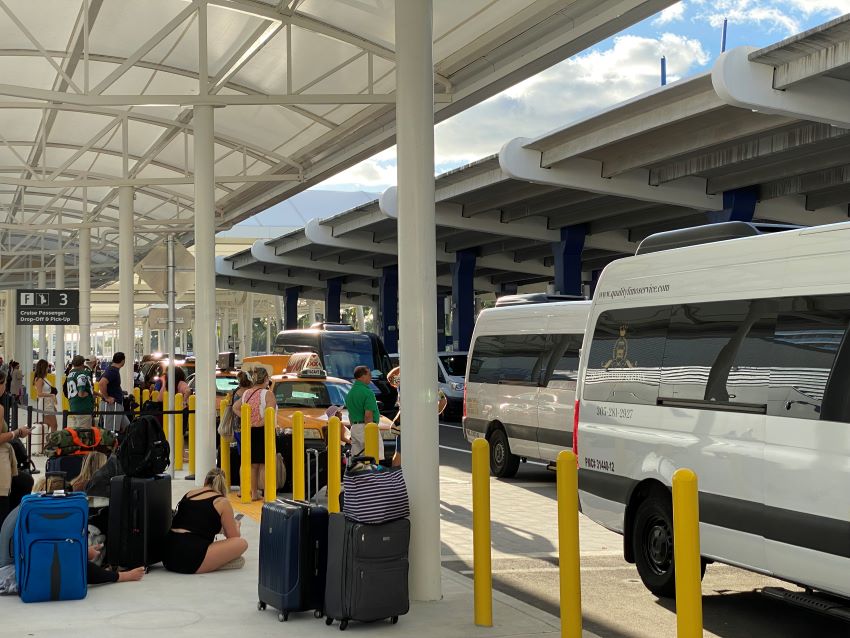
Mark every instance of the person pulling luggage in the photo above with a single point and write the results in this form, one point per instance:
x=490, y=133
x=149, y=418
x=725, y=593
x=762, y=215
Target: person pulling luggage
x=362, y=408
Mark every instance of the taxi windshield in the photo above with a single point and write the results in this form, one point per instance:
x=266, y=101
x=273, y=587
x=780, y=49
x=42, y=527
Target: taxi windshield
x=310, y=394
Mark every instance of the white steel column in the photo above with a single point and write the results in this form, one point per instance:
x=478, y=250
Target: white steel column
x=205, y=351
x=126, y=332
x=361, y=318
x=59, y=352
x=146, y=336
x=417, y=278
x=42, y=329
x=225, y=328
x=10, y=343
x=246, y=325
x=84, y=264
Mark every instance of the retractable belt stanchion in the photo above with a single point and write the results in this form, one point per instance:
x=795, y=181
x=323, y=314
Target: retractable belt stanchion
x=298, y=491
x=334, y=464
x=192, y=403
x=568, y=545
x=482, y=568
x=372, y=447
x=270, y=491
x=245, y=444
x=178, y=431
x=166, y=406
x=224, y=446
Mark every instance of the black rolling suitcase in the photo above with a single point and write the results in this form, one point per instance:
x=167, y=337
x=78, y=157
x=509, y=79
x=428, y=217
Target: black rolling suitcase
x=317, y=452
x=71, y=465
x=139, y=519
x=367, y=571
x=293, y=555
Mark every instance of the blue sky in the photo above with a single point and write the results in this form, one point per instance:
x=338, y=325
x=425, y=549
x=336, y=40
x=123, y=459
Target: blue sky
x=687, y=33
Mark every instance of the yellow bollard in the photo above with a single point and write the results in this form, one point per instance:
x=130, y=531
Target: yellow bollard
x=372, y=448
x=481, y=562
x=178, y=431
x=270, y=491
x=137, y=397
x=245, y=444
x=166, y=405
x=298, y=491
x=192, y=401
x=155, y=396
x=568, y=545
x=686, y=554
x=334, y=464
x=146, y=396
x=224, y=446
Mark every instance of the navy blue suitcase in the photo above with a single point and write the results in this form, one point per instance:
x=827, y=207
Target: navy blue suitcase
x=71, y=465
x=293, y=557
x=51, y=547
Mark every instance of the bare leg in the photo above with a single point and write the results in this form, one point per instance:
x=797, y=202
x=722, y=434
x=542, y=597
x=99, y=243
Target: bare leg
x=222, y=552
x=397, y=459
x=255, y=470
x=50, y=422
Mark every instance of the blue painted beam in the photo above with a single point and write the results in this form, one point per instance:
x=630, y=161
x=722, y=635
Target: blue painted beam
x=463, y=299
x=388, y=300
x=441, y=323
x=739, y=205
x=332, y=296
x=290, y=308
x=567, y=254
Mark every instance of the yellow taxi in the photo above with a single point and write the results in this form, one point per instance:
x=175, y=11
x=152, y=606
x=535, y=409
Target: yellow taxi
x=306, y=388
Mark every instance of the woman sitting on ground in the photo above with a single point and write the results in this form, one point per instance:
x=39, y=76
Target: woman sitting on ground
x=92, y=463
x=190, y=547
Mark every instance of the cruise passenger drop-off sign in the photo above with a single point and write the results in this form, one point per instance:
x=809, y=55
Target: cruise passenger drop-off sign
x=48, y=307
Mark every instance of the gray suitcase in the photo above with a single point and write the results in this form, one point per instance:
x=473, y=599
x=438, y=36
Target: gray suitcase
x=367, y=571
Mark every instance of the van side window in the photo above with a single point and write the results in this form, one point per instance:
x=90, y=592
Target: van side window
x=562, y=369
x=719, y=352
x=512, y=359
x=808, y=379
x=624, y=362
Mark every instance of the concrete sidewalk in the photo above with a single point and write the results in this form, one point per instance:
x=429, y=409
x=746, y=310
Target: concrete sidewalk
x=225, y=604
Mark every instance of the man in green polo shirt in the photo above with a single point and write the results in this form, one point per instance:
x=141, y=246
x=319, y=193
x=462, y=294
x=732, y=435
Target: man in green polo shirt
x=80, y=393
x=362, y=409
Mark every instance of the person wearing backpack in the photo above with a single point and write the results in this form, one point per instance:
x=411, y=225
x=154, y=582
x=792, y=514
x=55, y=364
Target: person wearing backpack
x=259, y=397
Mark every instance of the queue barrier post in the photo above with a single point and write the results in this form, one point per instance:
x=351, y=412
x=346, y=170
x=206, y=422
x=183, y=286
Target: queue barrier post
x=334, y=463
x=298, y=491
x=178, y=431
x=166, y=405
x=192, y=402
x=568, y=545
x=224, y=447
x=146, y=396
x=245, y=462
x=372, y=447
x=155, y=397
x=482, y=568
x=137, y=397
x=270, y=490
x=686, y=554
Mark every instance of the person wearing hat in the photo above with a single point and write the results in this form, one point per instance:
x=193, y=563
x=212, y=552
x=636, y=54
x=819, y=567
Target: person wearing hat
x=80, y=394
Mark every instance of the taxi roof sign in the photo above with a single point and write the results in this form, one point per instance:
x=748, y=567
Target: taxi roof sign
x=306, y=365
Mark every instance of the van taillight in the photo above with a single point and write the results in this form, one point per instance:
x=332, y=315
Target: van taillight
x=575, y=429
x=464, y=399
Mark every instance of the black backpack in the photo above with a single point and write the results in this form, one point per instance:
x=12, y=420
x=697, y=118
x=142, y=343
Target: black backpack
x=144, y=451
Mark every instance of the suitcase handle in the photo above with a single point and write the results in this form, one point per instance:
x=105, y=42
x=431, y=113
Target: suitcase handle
x=315, y=454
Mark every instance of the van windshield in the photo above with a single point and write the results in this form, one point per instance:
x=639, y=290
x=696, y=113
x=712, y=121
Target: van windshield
x=455, y=364
x=342, y=352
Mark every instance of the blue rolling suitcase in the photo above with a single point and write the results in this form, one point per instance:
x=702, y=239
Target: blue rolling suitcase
x=51, y=546
x=293, y=557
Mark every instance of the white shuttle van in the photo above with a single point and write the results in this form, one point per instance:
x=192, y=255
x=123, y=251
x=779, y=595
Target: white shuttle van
x=521, y=378
x=732, y=359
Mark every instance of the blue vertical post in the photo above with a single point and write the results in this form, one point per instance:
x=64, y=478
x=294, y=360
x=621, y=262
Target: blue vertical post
x=388, y=299
x=723, y=35
x=441, y=323
x=332, y=295
x=290, y=309
x=594, y=280
x=463, y=299
x=739, y=205
x=567, y=253
x=663, y=70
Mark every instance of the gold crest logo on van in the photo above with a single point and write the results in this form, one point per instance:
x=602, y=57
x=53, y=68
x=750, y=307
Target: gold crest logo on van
x=620, y=353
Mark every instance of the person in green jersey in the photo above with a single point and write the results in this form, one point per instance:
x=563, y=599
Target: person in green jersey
x=80, y=394
x=362, y=408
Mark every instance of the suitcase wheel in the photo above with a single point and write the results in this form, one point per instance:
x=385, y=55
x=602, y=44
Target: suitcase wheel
x=283, y=616
x=394, y=620
x=318, y=614
x=343, y=625
x=261, y=606
x=329, y=621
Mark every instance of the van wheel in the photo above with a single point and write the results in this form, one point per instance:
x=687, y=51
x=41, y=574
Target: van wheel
x=503, y=464
x=652, y=543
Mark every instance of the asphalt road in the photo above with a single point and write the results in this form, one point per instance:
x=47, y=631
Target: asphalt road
x=615, y=603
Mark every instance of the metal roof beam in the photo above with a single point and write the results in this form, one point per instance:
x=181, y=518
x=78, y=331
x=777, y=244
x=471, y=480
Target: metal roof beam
x=583, y=174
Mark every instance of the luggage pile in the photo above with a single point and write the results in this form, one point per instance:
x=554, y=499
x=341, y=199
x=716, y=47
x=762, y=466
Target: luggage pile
x=348, y=566
x=66, y=449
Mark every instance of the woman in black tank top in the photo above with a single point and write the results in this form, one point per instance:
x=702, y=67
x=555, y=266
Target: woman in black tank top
x=202, y=513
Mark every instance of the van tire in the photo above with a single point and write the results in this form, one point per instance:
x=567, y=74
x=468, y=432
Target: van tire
x=652, y=545
x=503, y=464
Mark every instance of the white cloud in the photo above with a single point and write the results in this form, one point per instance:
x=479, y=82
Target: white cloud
x=771, y=16
x=809, y=7
x=673, y=13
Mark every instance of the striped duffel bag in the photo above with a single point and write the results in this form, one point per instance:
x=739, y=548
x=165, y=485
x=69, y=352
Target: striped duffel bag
x=374, y=494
